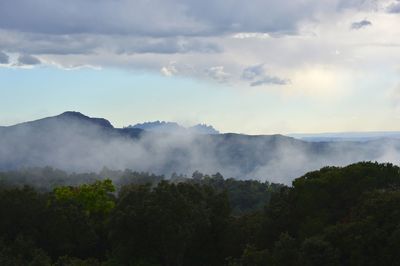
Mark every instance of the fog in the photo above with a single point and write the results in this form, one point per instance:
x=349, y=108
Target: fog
x=77, y=145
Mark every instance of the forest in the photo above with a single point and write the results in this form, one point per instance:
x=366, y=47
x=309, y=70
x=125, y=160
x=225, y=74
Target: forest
x=334, y=216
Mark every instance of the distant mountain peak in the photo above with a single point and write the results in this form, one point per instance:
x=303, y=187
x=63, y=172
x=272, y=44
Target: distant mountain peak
x=159, y=126
x=163, y=126
x=73, y=114
x=79, y=116
x=204, y=129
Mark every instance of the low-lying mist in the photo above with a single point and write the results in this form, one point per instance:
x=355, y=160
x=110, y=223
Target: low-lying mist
x=77, y=145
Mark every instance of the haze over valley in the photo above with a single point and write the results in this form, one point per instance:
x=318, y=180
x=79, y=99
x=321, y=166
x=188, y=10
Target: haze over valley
x=77, y=143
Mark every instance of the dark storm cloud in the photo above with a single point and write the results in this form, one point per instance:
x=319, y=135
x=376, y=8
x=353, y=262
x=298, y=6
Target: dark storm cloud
x=28, y=60
x=29, y=43
x=4, y=58
x=360, y=24
x=157, y=17
x=167, y=46
x=145, y=26
x=141, y=17
x=96, y=32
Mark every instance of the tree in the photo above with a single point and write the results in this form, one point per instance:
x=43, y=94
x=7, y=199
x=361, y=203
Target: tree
x=286, y=251
x=167, y=223
x=315, y=251
x=96, y=198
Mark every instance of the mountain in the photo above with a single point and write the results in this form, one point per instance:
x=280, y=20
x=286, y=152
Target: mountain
x=348, y=136
x=70, y=140
x=173, y=127
x=67, y=119
x=78, y=143
x=159, y=126
x=203, y=129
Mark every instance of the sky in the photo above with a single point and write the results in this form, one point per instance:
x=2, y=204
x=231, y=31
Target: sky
x=255, y=67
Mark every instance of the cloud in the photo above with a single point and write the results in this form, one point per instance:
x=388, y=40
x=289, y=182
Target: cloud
x=274, y=158
x=257, y=77
x=169, y=70
x=167, y=46
x=252, y=72
x=87, y=44
x=218, y=73
x=394, y=8
x=207, y=39
x=123, y=27
x=248, y=35
x=361, y=5
x=4, y=58
x=360, y=24
x=270, y=80
x=32, y=43
x=28, y=60
x=155, y=17
x=393, y=97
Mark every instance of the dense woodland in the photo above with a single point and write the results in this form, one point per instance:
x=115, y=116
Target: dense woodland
x=334, y=216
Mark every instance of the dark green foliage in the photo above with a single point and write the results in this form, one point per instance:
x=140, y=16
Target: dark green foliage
x=168, y=223
x=315, y=251
x=95, y=199
x=244, y=195
x=285, y=251
x=71, y=261
x=335, y=216
x=22, y=251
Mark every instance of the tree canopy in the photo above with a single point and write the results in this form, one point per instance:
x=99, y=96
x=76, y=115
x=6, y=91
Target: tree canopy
x=334, y=216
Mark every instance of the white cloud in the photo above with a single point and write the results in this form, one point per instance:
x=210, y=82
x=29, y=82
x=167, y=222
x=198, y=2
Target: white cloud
x=218, y=73
x=169, y=70
x=220, y=40
x=247, y=35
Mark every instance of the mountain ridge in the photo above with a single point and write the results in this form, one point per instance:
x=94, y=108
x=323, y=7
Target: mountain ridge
x=347, y=136
x=209, y=129
x=68, y=115
x=171, y=127
x=78, y=143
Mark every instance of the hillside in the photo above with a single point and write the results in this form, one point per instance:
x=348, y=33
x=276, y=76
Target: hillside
x=75, y=142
